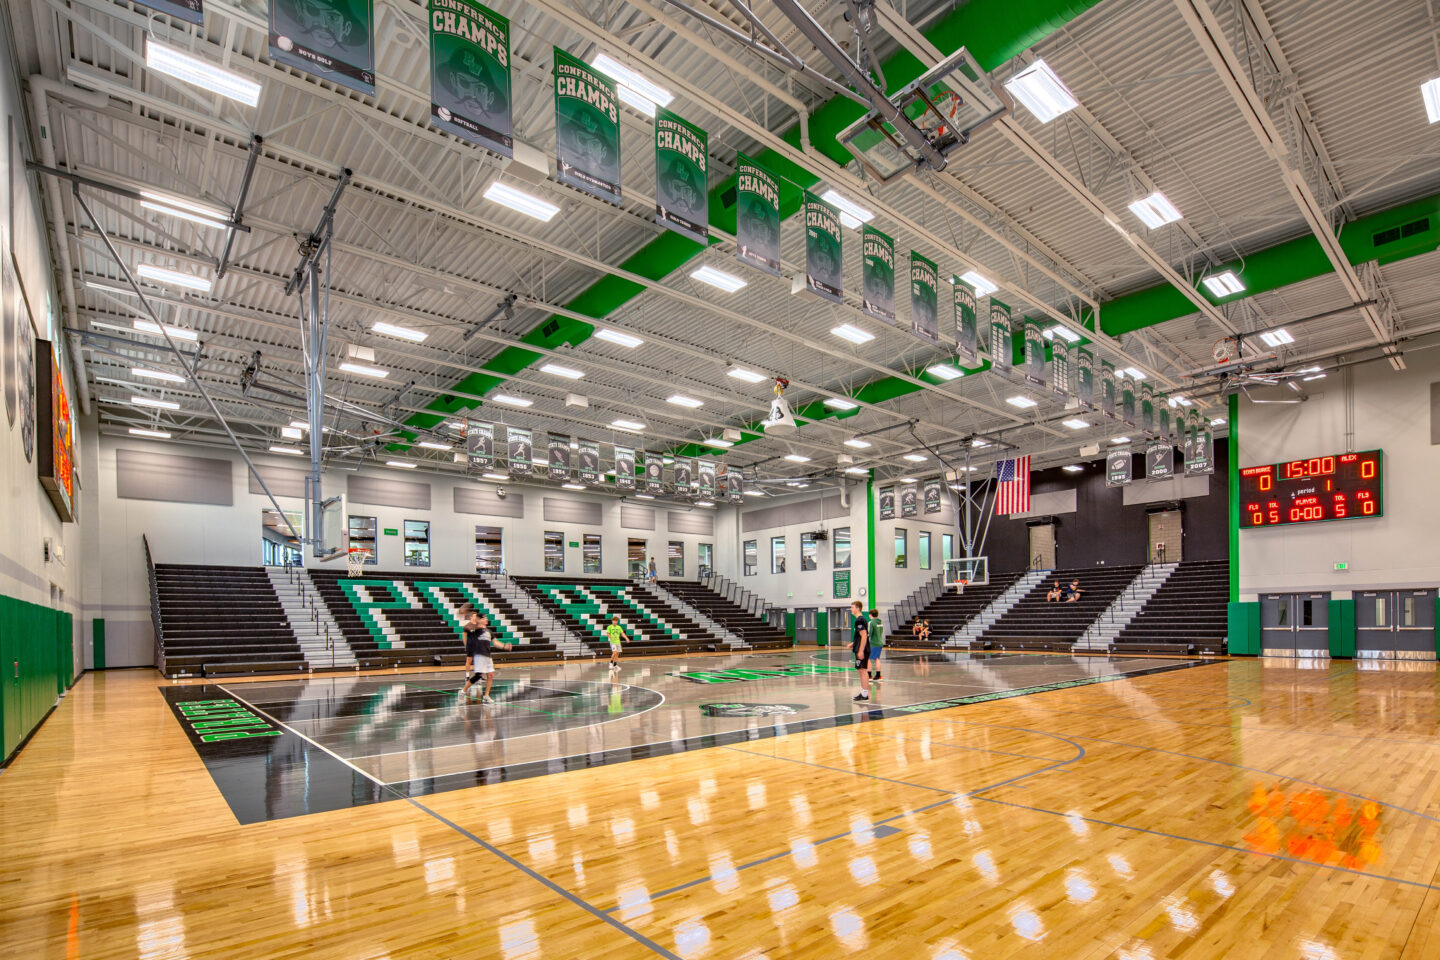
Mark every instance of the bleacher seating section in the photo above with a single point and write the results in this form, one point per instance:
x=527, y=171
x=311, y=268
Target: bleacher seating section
x=1035, y=623
x=218, y=620
x=752, y=630
x=950, y=611
x=1186, y=615
x=652, y=625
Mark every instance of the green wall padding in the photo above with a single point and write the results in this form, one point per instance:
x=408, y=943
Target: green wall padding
x=1243, y=635
x=36, y=665
x=1342, y=628
x=822, y=627
x=790, y=625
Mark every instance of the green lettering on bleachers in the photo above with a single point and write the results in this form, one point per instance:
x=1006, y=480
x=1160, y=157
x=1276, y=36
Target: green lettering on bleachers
x=367, y=608
x=429, y=591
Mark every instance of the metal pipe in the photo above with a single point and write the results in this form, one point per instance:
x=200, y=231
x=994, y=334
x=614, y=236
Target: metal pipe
x=129, y=194
x=237, y=212
x=311, y=248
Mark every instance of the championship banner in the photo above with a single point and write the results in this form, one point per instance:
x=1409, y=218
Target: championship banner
x=557, y=451
x=682, y=175
x=587, y=128
x=909, y=500
x=1107, y=389
x=470, y=74
x=967, y=327
x=877, y=275
x=654, y=473
x=705, y=478
x=824, y=270
x=1034, y=354
x=1199, y=452
x=923, y=279
x=735, y=485
x=1117, y=466
x=589, y=463
x=625, y=468
x=887, y=503
x=1196, y=421
x=479, y=446
x=1002, y=347
x=522, y=457
x=1060, y=367
x=757, y=216
x=330, y=39
x=187, y=10
x=1127, y=401
x=683, y=474
x=932, y=495
x=1085, y=378
x=1163, y=427
x=1159, y=460
x=1147, y=408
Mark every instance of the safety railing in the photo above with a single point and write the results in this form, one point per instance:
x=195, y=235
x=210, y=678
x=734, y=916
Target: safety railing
x=155, y=619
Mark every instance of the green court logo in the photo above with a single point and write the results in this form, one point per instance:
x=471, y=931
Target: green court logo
x=732, y=676
x=214, y=720
x=751, y=709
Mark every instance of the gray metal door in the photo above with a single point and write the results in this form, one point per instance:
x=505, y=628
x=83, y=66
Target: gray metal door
x=1395, y=624
x=1295, y=625
x=805, y=625
x=1042, y=547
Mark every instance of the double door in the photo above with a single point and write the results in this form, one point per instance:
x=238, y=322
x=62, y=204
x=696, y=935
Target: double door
x=1295, y=625
x=1395, y=624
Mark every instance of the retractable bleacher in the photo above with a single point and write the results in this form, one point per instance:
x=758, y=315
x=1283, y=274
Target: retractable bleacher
x=1186, y=615
x=652, y=624
x=217, y=620
x=1035, y=623
x=950, y=612
x=755, y=633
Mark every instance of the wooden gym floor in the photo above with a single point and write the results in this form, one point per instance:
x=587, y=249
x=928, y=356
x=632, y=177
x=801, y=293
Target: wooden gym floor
x=1241, y=809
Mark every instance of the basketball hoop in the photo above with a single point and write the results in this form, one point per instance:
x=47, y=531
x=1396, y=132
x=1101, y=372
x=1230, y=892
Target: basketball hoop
x=355, y=562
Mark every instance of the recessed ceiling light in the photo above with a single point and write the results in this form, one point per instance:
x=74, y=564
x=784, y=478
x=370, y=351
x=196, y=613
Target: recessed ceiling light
x=1155, y=210
x=520, y=201
x=569, y=373
x=172, y=277
x=1075, y=423
x=1072, y=468
x=859, y=444
x=152, y=434
x=1275, y=338
x=152, y=402
x=619, y=337
x=157, y=375
x=1133, y=373
x=402, y=464
x=1041, y=91
x=364, y=370
x=852, y=333
x=718, y=442
x=718, y=278
x=176, y=63
x=404, y=333
x=852, y=215
x=433, y=445
x=836, y=403
x=1120, y=440
x=983, y=286
x=511, y=401
x=633, y=89
x=944, y=371
x=572, y=486
x=1023, y=403
x=288, y=451
x=1065, y=332
x=494, y=476
x=291, y=433
x=1430, y=92
x=915, y=457
x=749, y=376
x=680, y=400
x=633, y=425
x=1224, y=284
x=797, y=458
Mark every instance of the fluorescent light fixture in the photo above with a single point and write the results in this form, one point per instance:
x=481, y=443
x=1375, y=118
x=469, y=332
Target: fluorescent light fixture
x=363, y=370
x=494, y=476
x=176, y=63
x=618, y=336
x=1134, y=373
x=1072, y=468
x=1275, y=338
x=299, y=424
x=836, y=403
x=749, y=376
x=909, y=480
x=404, y=333
x=1430, y=91
x=152, y=402
x=1224, y=284
x=1155, y=210
x=157, y=375
x=1065, y=332
x=680, y=400
x=718, y=278
x=944, y=371
x=402, y=464
x=983, y=286
x=291, y=451
x=704, y=503
x=644, y=496
x=1075, y=423
x=1024, y=403
x=520, y=201
x=852, y=333
x=1120, y=440
x=857, y=471
x=797, y=458
x=634, y=89
x=1314, y=376
x=632, y=425
x=569, y=373
x=718, y=442
x=1041, y=91
x=852, y=215
x=574, y=445
x=1217, y=421
x=1181, y=402
x=152, y=434
x=510, y=401
x=754, y=493
x=977, y=442
x=915, y=457
x=206, y=216
x=290, y=433
x=858, y=444
x=433, y=445
x=172, y=277
x=572, y=486
x=667, y=460
x=123, y=289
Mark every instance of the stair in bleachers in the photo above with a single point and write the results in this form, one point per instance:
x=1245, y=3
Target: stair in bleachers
x=320, y=639
x=586, y=604
x=1100, y=634
x=1186, y=615
x=969, y=634
x=754, y=632
x=950, y=612
x=1035, y=623
x=218, y=620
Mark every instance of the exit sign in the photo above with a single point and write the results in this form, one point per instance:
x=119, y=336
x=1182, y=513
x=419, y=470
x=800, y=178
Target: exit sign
x=391, y=532
x=1342, y=565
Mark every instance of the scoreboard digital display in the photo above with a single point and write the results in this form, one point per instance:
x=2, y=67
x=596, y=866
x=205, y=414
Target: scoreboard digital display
x=1342, y=486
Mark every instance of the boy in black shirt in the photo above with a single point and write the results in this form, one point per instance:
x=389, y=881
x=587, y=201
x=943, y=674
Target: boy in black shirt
x=860, y=647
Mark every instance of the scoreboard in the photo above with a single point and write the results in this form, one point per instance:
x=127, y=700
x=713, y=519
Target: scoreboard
x=1342, y=486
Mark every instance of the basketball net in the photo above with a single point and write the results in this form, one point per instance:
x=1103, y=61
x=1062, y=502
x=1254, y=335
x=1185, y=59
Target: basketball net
x=355, y=563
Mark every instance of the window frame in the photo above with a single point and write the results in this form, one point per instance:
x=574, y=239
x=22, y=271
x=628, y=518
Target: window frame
x=901, y=541
x=374, y=558
x=750, y=549
x=781, y=555
x=586, y=541
x=545, y=538
x=922, y=547
x=704, y=559
x=835, y=537
x=670, y=558
x=405, y=543
x=809, y=540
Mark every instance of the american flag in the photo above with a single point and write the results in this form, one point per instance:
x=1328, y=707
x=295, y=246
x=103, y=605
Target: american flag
x=1013, y=494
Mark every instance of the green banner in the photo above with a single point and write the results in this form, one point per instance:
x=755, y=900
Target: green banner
x=1163, y=416
x=587, y=128
x=1107, y=388
x=682, y=176
x=1147, y=408
x=1085, y=378
x=967, y=327
x=877, y=275
x=757, y=216
x=824, y=270
x=1002, y=347
x=330, y=39
x=1127, y=401
x=1034, y=353
x=470, y=74
x=841, y=584
x=923, y=280
x=1060, y=367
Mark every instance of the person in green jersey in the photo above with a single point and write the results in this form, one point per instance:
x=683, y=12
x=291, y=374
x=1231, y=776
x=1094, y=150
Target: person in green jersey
x=616, y=633
x=876, y=630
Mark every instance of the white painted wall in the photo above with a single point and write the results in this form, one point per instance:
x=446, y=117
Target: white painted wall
x=1390, y=410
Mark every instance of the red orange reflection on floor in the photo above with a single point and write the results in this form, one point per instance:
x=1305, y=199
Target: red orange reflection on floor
x=1312, y=825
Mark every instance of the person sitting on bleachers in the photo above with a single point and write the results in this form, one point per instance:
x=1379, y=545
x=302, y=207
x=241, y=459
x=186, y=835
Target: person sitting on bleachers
x=917, y=628
x=1073, y=591
x=925, y=630
x=1053, y=596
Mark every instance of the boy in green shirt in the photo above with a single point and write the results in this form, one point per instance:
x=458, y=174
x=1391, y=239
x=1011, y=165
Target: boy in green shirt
x=616, y=633
x=876, y=630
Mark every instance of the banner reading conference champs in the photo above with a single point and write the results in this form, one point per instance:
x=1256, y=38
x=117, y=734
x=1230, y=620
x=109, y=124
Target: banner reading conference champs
x=923, y=280
x=1002, y=347
x=682, y=176
x=330, y=39
x=877, y=275
x=470, y=74
x=1034, y=354
x=967, y=326
x=757, y=216
x=824, y=270
x=587, y=128
x=1085, y=378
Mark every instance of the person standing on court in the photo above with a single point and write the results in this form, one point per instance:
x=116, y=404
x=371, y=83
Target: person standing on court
x=479, y=643
x=616, y=633
x=860, y=648
x=875, y=633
